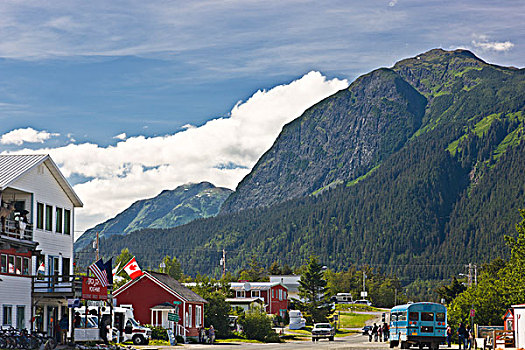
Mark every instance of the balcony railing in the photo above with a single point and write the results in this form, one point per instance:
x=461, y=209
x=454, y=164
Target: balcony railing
x=11, y=230
x=56, y=285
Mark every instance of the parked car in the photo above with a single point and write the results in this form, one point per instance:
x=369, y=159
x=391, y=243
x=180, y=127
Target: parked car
x=323, y=330
x=363, y=302
x=366, y=330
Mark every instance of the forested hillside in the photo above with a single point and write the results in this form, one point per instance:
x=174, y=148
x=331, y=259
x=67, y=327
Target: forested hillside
x=438, y=190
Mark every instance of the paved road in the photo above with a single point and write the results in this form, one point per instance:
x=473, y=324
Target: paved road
x=350, y=342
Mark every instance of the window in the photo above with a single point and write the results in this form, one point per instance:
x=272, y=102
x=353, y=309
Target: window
x=240, y=294
x=66, y=271
x=280, y=294
x=190, y=314
x=3, y=263
x=40, y=216
x=11, y=264
x=256, y=293
x=413, y=316
x=273, y=293
x=18, y=265
x=49, y=218
x=402, y=316
x=25, y=267
x=440, y=316
x=427, y=316
x=20, y=317
x=198, y=316
x=67, y=222
x=58, y=220
x=8, y=315
x=284, y=294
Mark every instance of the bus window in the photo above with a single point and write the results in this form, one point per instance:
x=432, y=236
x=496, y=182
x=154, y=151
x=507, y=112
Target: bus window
x=402, y=316
x=427, y=316
x=440, y=317
x=413, y=316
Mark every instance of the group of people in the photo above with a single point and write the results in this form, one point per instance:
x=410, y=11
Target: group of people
x=465, y=336
x=207, y=335
x=379, y=333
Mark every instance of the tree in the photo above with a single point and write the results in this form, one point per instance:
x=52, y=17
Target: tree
x=274, y=269
x=255, y=272
x=451, y=291
x=312, y=288
x=216, y=313
x=173, y=267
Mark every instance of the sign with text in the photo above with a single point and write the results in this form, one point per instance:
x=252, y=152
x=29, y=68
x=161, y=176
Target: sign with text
x=92, y=289
x=173, y=317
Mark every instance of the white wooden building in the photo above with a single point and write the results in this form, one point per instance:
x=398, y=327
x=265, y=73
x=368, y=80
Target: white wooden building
x=30, y=298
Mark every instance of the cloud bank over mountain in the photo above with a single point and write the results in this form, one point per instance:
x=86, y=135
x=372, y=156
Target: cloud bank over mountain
x=221, y=151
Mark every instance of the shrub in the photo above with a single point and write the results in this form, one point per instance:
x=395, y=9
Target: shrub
x=257, y=325
x=158, y=333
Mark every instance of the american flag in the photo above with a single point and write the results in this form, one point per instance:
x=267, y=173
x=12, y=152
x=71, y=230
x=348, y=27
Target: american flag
x=100, y=270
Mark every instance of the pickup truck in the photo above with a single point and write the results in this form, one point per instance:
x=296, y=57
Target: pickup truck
x=323, y=330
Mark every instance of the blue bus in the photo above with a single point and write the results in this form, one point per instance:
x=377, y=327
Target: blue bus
x=418, y=324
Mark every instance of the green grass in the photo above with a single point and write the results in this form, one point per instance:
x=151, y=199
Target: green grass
x=353, y=320
x=238, y=340
x=344, y=333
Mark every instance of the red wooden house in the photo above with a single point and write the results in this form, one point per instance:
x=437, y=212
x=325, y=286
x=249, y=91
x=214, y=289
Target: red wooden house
x=274, y=295
x=154, y=295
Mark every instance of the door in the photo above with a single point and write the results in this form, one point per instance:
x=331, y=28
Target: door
x=52, y=262
x=52, y=320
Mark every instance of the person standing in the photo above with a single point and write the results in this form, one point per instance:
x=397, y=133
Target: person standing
x=449, y=335
x=386, y=331
x=212, y=334
x=63, y=325
x=461, y=336
x=470, y=337
x=374, y=332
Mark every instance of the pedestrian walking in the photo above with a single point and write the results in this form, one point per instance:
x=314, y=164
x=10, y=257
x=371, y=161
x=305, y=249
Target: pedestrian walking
x=374, y=331
x=212, y=334
x=380, y=333
x=63, y=325
x=470, y=337
x=449, y=335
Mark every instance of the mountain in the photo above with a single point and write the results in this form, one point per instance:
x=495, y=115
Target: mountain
x=168, y=209
x=417, y=170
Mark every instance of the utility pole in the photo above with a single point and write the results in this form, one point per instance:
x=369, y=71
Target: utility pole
x=223, y=263
x=469, y=274
x=97, y=245
x=475, y=274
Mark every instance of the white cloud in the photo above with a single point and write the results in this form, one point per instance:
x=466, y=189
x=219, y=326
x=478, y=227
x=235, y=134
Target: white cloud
x=392, y=3
x=20, y=136
x=482, y=41
x=141, y=167
x=122, y=136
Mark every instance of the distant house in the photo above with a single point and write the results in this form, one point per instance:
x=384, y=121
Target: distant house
x=291, y=282
x=36, y=259
x=154, y=295
x=274, y=295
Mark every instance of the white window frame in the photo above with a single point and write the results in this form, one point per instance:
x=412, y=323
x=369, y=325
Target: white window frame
x=190, y=315
x=198, y=316
x=4, y=308
x=256, y=293
x=240, y=294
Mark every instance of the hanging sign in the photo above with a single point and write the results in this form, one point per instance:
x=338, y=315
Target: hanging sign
x=92, y=289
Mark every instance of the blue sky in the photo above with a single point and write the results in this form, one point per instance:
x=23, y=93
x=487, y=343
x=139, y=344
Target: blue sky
x=78, y=75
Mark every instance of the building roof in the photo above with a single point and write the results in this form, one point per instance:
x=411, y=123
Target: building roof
x=254, y=285
x=12, y=167
x=167, y=282
x=289, y=281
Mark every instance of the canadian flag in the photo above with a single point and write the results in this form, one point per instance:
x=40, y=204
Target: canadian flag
x=133, y=269
x=41, y=268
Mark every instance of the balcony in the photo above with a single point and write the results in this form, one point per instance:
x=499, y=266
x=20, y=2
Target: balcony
x=12, y=237
x=12, y=231
x=56, y=286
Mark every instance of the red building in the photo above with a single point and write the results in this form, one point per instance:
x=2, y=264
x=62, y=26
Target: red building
x=274, y=295
x=154, y=295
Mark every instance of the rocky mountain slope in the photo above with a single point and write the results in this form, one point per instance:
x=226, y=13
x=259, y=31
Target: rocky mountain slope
x=430, y=170
x=168, y=209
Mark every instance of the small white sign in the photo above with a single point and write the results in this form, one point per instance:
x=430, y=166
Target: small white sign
x=364, y=294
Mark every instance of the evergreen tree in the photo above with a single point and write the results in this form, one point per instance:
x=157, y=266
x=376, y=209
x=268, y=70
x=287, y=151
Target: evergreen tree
x=173, y=267
x=312, y=288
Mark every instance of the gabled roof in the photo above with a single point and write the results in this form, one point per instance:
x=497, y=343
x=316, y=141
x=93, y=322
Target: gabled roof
x=166, y=282
x=12, y=167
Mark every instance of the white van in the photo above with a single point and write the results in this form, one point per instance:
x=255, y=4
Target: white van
x=125, y=327
x=296, y=319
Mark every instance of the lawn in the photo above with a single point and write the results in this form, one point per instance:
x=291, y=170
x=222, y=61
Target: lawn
x=353, y=320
